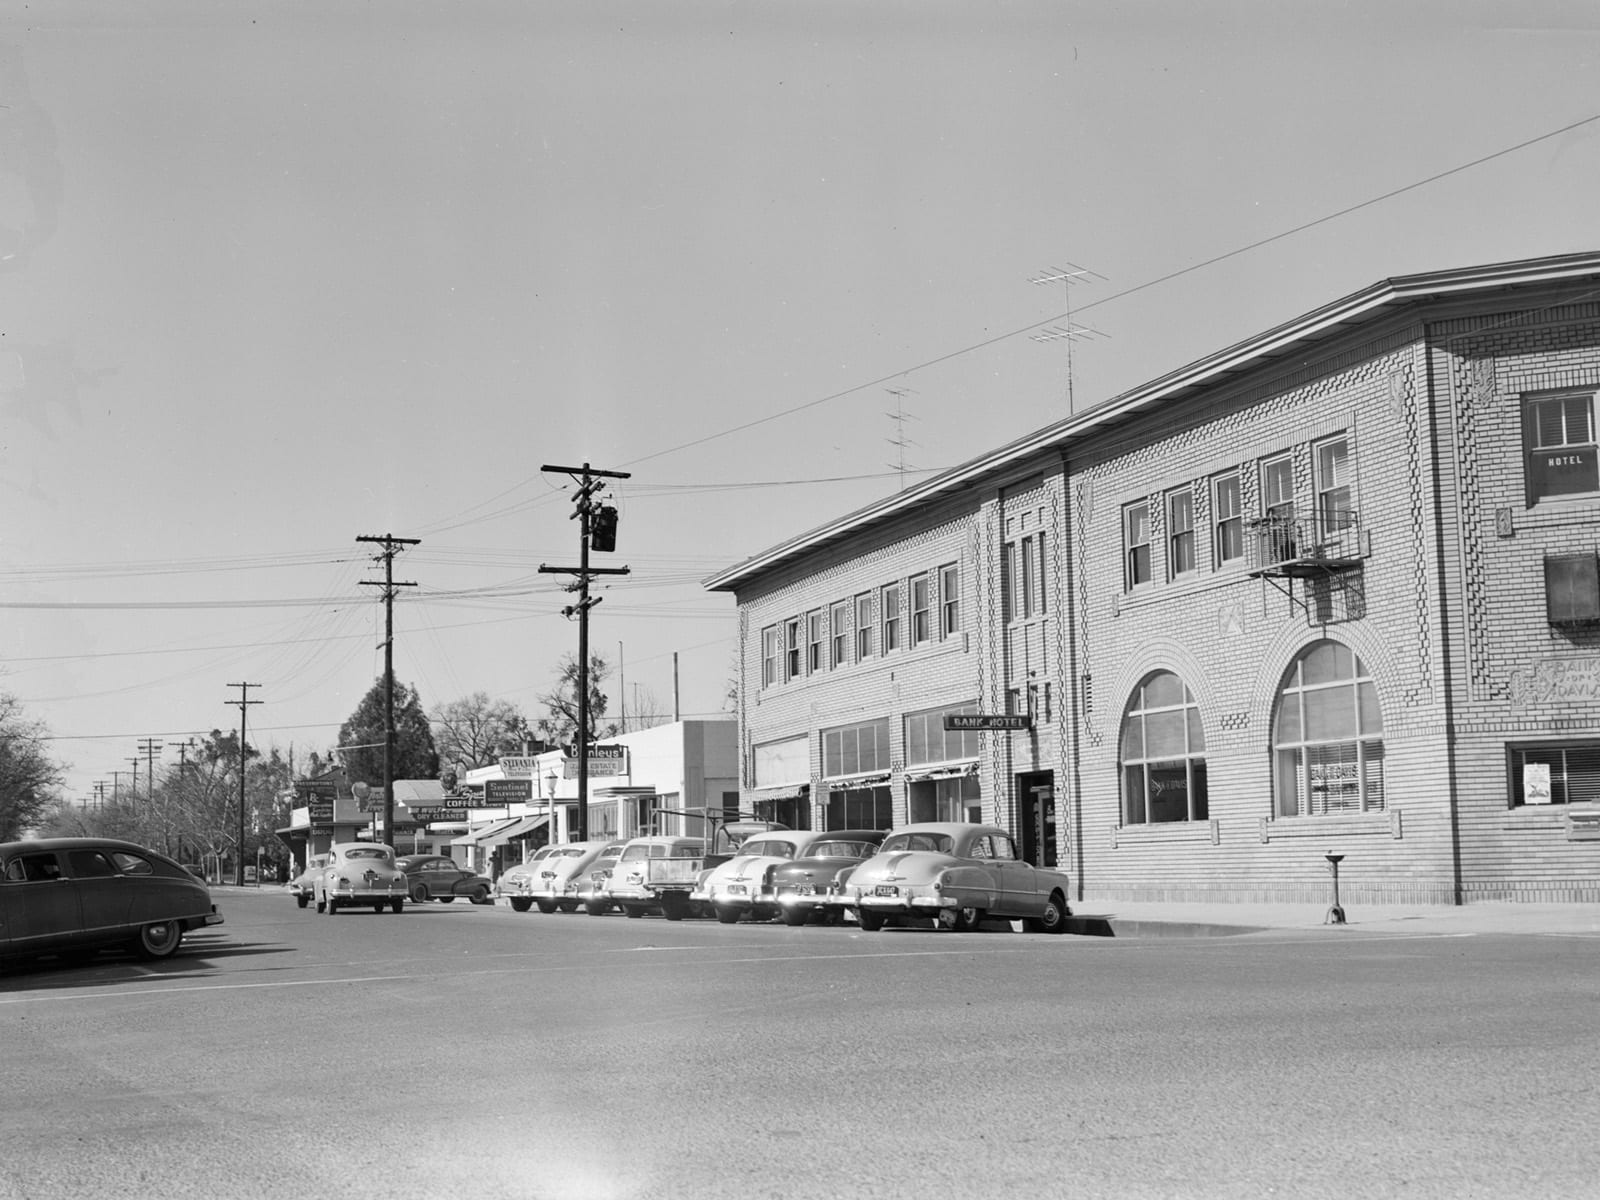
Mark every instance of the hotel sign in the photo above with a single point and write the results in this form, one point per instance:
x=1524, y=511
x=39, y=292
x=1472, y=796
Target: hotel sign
x=987, y=721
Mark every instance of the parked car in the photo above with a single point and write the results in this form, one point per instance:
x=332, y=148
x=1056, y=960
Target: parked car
x=300, y=887
x=743, y=885
x=546, y=885
x=514, y=881
x=588, y=888
x=958, y=874
x=360, y=874
x=436, y=877
x=76, y=896
x=801, y=888
x=649, y=867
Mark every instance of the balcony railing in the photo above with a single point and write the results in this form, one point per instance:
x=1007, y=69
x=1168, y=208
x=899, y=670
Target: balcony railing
x=1329, y=541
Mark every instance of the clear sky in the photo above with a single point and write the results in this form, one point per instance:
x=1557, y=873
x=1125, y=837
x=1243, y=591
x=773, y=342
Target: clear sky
x=277, y=275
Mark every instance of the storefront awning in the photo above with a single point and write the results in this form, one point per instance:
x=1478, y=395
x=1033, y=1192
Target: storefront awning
x=942, y=771
x=521, y=827
x=489, y=830
x=793, y=791
x=856, y=782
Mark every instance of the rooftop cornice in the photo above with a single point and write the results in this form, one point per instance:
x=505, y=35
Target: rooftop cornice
x=1358, y=308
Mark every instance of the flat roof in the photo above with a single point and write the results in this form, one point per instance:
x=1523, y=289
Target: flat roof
x=1371, y=303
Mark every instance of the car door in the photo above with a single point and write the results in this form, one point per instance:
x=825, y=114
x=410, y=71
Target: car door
x=104, y=897
x=39, y=909
x=1018, y=880
x=442, y=875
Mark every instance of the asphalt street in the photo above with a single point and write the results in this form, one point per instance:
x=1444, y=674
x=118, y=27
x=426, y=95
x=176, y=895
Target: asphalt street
x=465, y=1051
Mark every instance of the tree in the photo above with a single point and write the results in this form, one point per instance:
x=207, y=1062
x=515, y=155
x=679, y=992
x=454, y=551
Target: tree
x=415, y=756
x=475, y=730
x=29, y=777
x=560, y=722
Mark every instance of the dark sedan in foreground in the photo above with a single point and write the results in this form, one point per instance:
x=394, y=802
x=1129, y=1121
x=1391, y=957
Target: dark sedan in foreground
x=75, y=896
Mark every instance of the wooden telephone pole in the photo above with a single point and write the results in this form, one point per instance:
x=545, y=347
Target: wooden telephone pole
x=391, y=546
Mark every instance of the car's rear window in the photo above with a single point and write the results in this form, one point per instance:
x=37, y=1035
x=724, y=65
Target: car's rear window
x=768, y=849
x=366, y=853
x=840, y=850
x=938, y=843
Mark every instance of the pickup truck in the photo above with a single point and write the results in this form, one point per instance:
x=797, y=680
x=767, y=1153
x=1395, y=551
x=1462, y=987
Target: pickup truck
x=659, y=872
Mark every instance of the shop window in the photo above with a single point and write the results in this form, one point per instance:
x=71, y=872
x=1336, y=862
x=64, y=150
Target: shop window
x=1163, y=753
x=1136, y=544
x=943, y=799
x=1228, y=519
x=928, y=741
x=1558, y=438
x=859, y=808
x=1562, y=773
x=1327, y=738
x=1572, y=589
x=858, y=749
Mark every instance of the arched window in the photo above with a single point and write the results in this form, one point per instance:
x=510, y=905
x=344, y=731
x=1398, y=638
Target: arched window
x=1327, y=741
x=1163, y=754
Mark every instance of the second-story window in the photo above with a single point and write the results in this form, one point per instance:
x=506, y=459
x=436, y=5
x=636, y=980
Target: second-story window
x=949, y=601
x=1334, y=503
x=891, y=618
x=769, y=656
x=1180, y=532
x=1228, y=515
x=1558, y=435
x=921, y=617
x=1136, y=544
x=813, y=642
x=791, y=649
x=839, y=620
x=863, y=626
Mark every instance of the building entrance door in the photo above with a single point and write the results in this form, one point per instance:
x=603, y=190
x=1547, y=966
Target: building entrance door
x=1036, y=817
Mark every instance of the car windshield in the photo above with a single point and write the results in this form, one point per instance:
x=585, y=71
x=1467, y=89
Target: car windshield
x=938, y=843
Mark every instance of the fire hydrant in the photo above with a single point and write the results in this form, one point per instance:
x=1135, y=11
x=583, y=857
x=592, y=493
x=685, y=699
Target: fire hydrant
x=1335, y=914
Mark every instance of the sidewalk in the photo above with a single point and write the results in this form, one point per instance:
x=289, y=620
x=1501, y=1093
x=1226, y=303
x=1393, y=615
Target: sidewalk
x=1112, y=918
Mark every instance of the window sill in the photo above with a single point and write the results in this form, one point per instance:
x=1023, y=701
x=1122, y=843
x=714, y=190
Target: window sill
x=1368, y=824
x=1163, y=833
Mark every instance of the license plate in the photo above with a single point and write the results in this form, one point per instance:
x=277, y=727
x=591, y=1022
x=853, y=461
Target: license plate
x=805, y=889
x=738, y=889
x=885, y=889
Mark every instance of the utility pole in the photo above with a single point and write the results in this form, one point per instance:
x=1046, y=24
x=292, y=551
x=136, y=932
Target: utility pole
x=134, y=791
x=597, y=530
x=244, y=703
x=390, y=545
x=150, y=746
x=116, y=786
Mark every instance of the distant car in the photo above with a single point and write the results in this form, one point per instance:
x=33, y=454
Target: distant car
x=359, y=875
x=436, y=877
x=546, y=884
x=801, y=888
x=958, y=874
x=514, y=880
x=300, y=887
x=76, y=896
x=743, y=885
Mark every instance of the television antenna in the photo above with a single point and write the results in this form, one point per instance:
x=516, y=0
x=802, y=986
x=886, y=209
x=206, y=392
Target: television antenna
x=900, y=416
x=1070, y=331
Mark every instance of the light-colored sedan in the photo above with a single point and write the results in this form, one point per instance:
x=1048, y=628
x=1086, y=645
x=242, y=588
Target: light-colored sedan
x=743, y=885
x=302, y=886
x=957, y=874
x=360, y=875
x=547, y=885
